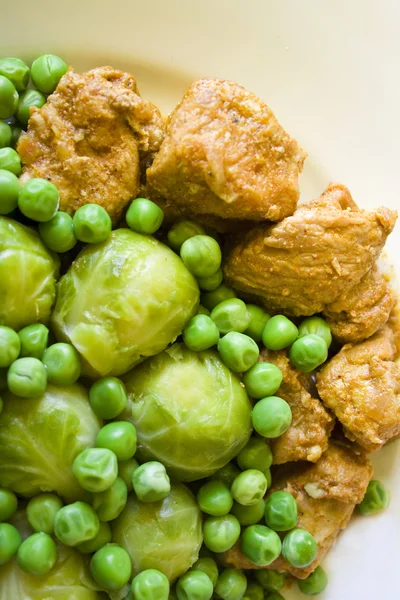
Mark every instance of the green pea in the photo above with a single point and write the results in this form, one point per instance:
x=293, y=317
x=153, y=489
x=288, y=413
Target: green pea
x=299, y=548
x=202, y=310
x=125, y=471
x=230, y=315
x=270, y=580
x=215, y=498
x=111, y=567
x=231, y=585
x=182, y=231
x=15, y=133
x=37, y=554
x=108, y=398
x=212, y=282
x=151, y=482
x=33, y=340
x=10, y=161
x=144, y=216
x=221, y=533
x=96, y=469
x=92, y=224
x=194, y=585
x=41, y=512
x=263, y=379
x=249, y=515
x=58, y=234
x=226, y=474
x=5, y=135
x=208, y=566
x=281, y=511
x=238, y=351
x=211, y=299
x=150, y=584
x=275, y=596
x=317, y=326
x=271, y=417
x=16, y=71
x=76, y=523
x=102, y=538
x=200, y=333
x=255, y=455
x=268, y=476
x=46, y=72
x=10, y=541
x=279, y=333
x=10, y=346
x=254, y=591
x=27, y=378
x=258, y=320
x=38, y=199
x=8, y=98
x=8, y=504
x=314, y=584
x=9, y=190
x=62, y=364
x=27, y=100
x=201, y=255
x=110, y=503
x=376, y=499
x=249, y=487
x=120, y=437
x=260, y=544
x=308, y=352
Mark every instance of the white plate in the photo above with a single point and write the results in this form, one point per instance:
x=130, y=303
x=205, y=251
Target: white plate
x=329, y=70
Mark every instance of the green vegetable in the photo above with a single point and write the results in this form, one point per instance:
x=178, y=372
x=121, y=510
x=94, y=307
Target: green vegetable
x=270, y=580
x=202, y=310
x=102, y=538
x=211, y=299
x=231, y=585
x=279, y=332
x=8, y=98
x=230, y=315
x=215, y=498
x=144, y=216
x=92, y=224
x=46, y=72
x=33, y=340
x=58, y=234
x=96, y=469
x=238, y=351
x=151, y=482
x=254, y=591
x=108, y=397
x=263, y=379
x=375, y=500
x=10, y=161
x=3, y=379
x=275, y=596
x=221, y=533
x=162, y=535
x=202, y=255
x=271, y=417
x=308, y=352
x=125, y=471
x=281, y=511
x=194, y=585
x=111, y=567
x=40, y=437
x=10, y=541
x=37, y=554
x=120, y=437
x=76, y=523
x=110, y=503
x=260, y=544
x=249, y=487
x=317, y=326
x=299, y=548
x=201, y=333
x=249, y=515
x=62, y=364
x=27, y=377
x=10, y=346
x=226, y=474
x=9, y=190
x=150, y=584
x=27, y=100
x=189, y=411
x=39, y=199
x=255, y=455
x=143, y=298
x=15, y=133
x=41, y=512
x=314, y=584
x=6, y=135
x=16, y=71
x=212, y=282
x=182, y=231
x=8, y=504
x=209, y=567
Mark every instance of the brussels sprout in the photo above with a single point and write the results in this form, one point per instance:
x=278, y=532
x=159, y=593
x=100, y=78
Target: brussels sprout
x=40, y=438
x=190, y=412
x=28, y=273
x=163, y=535
x=123, y=300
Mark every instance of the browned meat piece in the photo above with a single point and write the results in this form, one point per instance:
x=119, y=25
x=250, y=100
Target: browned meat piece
x=307, y=437
x=359, y=312
x=361, y=385
x=89, y=137
x=326, y=494
x=304, y=263
x=225, y=155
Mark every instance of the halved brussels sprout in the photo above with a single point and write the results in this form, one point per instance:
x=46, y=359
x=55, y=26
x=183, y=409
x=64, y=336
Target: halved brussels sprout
x=123, y=300
x=28, y=273
x=190, y=412
x=40, y=438
x=163, y=535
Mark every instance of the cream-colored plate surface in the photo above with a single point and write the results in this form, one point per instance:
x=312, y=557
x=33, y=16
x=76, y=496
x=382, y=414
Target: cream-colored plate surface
x=330, y=69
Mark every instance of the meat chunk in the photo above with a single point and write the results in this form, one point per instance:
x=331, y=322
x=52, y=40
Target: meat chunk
x=359, y=312
x=89, y=137
x=361, y=385
x=326, y=494
x=307, y=261
x=225, y=156
x=307, y=437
